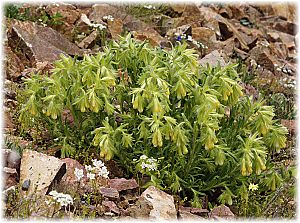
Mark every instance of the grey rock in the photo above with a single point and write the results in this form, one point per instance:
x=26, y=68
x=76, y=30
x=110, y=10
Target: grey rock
x=163, y=204
x=213, y=59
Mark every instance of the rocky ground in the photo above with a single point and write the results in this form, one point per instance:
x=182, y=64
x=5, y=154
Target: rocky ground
x=261, y=38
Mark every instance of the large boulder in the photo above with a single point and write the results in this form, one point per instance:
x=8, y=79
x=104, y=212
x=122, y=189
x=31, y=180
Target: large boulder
x=40, y=172
x=40, y=43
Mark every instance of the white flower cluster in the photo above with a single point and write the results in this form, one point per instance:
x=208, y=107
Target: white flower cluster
x=78, y=173
x=85, y=19
x=149, y=7
x=98, y=168
x=148, y=163
x=61, y=198
x=108, y=18
x=289, y=83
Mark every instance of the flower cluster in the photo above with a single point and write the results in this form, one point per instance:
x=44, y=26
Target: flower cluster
x=98, y=168
x=61, y=198
x=149, y=7
x=190, y=39
x=288, y=83
x=146, y=163
x=108, y=18
x=86, y=20
x=78, y=173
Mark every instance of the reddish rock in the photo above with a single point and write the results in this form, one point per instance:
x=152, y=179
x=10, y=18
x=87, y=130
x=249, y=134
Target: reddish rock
x=69, y=177
x=10, y=177
x=40, y=43
x=197, y=211
x=222, y=212
x=123, y=184
x=111, y=207
x=290, y=125
x=109, y=192
x=89, y=41
x=115, y=28
x=13, y=65
x=204, y=35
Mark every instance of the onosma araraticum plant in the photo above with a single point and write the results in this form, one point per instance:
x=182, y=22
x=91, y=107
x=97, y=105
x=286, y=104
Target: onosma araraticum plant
x=132, y=100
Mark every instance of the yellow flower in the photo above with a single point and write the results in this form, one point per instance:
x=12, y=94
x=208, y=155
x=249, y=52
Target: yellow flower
x=253, y=187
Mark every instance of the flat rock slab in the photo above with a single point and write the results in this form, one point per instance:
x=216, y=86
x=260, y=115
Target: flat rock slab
x=123, y=184
x=163, y=204
x=213, y=59
x=44, y=43
x=41, y=170
x=109, y=192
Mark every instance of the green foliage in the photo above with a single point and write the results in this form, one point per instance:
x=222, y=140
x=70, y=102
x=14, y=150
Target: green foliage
x=12, y=11
x=133, y=100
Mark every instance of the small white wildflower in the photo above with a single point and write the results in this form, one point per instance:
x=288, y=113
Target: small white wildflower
x=53, y=193
x=189, y=38
x=144, y=165
x=108, y=17
x=91, y=176
x=143, y=157
x=89, y=168
x=78, y=173
x=99, y=26
x=61, y=198
x=149, y=6
x=103, y=172
x=134, y=159
x=97, y=163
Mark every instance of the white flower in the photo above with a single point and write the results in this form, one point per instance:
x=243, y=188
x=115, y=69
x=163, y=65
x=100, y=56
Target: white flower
x=143, y=157
x=144, y=165
x=78, y=173
x=149, y=6
x=189, y=38
x=108, y=17
x=97, y=163
x=103, y=172
x=61, y=198
x=89, y=168
x=99, y=26
x=53, y=193
x=91, y=176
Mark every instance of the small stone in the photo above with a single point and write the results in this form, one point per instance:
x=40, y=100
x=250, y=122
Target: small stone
x=109, y=192
x=122, y=184
x=89, y=41
x=10, y=177
x=26, y=185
